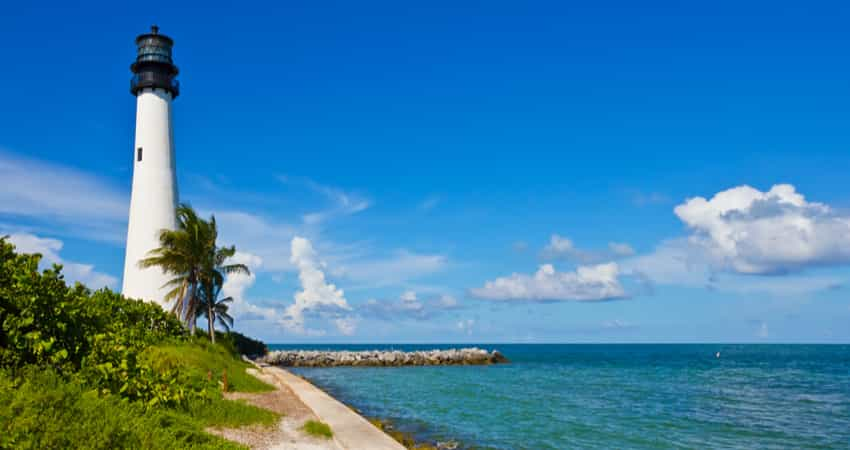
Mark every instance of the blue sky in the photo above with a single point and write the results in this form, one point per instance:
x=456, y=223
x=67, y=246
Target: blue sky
x=484, y=171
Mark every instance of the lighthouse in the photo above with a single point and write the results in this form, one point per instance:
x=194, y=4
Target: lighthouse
x=154, y=193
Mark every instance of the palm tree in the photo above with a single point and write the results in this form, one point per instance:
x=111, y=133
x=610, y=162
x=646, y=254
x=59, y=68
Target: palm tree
x=183, y=253
x=221, y=309
x=212, y=277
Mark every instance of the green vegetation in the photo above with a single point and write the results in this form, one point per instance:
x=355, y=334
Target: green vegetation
x=192, y=255
x=243, y=344
x=83, y=369
x=197, y=360
x=318, y=429
x=40, y=409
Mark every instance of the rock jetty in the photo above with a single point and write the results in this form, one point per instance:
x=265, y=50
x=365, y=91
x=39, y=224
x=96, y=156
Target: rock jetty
x=391, y=358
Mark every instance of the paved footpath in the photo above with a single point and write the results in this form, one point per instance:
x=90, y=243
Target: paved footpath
x=351, y=431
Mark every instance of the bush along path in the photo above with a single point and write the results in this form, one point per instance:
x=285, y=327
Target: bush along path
x=96, y=370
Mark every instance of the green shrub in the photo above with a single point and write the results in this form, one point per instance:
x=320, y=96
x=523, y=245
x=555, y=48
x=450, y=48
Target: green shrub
x=197, y=361
x=96, y=336
x=243, y=345
x=41, y=410
x=45, y=322
x=96, y=370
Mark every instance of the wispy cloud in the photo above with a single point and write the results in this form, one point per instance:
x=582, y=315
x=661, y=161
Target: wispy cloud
x=560, y=247
x=267, y=238
x=342, y=202
x=409, y=306
x=61, y=199
x=50, y=251
x=395, y=268
x=640, y=198
x=466, y=326
x=429, y=203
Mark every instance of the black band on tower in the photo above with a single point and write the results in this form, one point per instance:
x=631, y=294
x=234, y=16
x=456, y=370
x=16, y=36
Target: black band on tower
x=154, y=67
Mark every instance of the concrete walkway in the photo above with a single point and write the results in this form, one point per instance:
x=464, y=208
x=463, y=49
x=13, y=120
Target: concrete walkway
x=351, y=431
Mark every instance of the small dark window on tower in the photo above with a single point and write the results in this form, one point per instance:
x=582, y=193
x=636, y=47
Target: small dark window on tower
x=139, y=154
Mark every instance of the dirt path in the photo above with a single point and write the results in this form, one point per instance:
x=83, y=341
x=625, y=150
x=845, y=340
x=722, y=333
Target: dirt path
x=287, y=434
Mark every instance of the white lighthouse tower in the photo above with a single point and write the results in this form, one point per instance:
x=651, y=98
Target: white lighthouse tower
x=154, y=196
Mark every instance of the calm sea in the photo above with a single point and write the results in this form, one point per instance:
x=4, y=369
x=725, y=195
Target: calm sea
x=612, y=396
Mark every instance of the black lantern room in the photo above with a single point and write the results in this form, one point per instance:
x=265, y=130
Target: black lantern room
x=153, y=67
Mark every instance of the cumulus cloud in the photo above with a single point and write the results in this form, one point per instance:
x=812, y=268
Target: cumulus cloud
x=680, y=262
x=586, y=283
x=409, y=306
x=748, y=231
x=316, y=296
x=270, y=240
x=560, y=247
x=50, y=249
x=236, y=285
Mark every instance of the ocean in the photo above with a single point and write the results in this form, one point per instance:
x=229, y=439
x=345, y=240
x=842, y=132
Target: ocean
x=611, y=396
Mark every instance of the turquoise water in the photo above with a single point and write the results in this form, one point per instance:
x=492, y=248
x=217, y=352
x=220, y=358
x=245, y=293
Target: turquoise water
x=613, y=396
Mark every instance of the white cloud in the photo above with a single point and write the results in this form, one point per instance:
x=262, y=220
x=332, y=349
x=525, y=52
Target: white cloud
x=617, y=324
x=257, y=235
x=342, y=203
x=408, y=306
x=620, y=249
x=763, y=331
x=347, y=326
x=465, y=326
x=674, y=261
x=236, y=285
x=649, y=198
x=681, y=262
x=394, y=269
x=587, y=283
x=560, y=247
x=447, y=302
x=316, y=294
x=747, y=231
x=317, y=297
x=49, y=250
x=44, y=192
x=429, y=203
x=270, y=240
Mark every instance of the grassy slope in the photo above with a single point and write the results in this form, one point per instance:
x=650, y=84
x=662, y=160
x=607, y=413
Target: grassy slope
x=42, y=410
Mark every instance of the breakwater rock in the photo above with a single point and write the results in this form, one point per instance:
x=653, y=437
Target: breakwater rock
x=392, y=358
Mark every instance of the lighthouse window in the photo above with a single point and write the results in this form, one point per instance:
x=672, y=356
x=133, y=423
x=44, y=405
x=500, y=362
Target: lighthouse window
x=139, y=154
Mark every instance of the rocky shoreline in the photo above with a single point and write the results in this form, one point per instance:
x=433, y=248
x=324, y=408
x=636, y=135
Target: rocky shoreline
x=378, y=358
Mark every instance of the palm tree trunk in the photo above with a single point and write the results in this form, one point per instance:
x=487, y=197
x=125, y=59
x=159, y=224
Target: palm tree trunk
x=211, y=321
x=190, y=308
